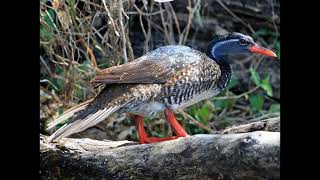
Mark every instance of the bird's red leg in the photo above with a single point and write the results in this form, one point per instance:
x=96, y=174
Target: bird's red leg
x=143, y=136
x=140, y=128
x=177, y=129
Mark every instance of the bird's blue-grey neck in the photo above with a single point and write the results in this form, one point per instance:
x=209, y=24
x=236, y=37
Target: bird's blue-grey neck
x=218, y=51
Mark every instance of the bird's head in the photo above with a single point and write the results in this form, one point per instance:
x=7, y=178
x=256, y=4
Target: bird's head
x=236, y=43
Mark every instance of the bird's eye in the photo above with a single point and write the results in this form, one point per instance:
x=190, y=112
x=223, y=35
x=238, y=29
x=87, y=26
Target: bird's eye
x=243, y=41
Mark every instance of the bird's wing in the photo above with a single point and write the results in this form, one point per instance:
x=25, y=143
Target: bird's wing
x=143, y=72
x=155, y=67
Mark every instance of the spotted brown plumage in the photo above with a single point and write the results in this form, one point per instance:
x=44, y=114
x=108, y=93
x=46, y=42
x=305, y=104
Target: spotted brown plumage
x=163, y=80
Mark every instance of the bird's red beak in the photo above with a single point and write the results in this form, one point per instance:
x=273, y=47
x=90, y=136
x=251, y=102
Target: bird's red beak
x=261, y=50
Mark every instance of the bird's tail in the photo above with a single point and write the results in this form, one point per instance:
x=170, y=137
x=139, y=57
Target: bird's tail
x=69, y=113
x=82, y=124
x=90, y=115
x=93, y=111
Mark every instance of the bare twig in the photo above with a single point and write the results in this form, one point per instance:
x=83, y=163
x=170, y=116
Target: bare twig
x=146, y=47
x=124, y=43
x=164, y=25
x=238, y=96
x=130, y=50
x=110, y=17
x=186, y=115
x=175, y=18
x=144, y=13
x=46, y=67
x=185, y=32
x=268, y=115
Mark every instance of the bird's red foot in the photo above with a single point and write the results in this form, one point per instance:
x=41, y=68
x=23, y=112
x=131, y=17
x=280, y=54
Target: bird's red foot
x=143, y=136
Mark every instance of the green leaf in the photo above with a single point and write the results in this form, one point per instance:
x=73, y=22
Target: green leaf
x=203, y=114
x=193, y=129
x=220, y=103
x=197, y=117
x=256, y=102
x=266, y=32
x=255, y=76
x=274, y=34
x=47, y=28
x=265, y=84
x=79, y=93
x=49, y=17
x=261, y=32
x=233, y=82
x=71, y=2
x=59, y=83
x=156, y=134
x=274, y=108
x=104, y=64
x=133, y=134
x=45, y=33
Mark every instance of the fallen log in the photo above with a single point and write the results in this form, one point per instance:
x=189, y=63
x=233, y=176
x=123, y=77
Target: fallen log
x=253, y=155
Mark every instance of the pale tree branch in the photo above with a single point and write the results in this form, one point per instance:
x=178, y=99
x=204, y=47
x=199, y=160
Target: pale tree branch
x=252, y=155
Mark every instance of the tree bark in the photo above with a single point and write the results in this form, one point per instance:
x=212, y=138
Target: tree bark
x=252, y=155
x=272, y=124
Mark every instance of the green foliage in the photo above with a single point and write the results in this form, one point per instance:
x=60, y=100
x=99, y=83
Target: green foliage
x=274, y=108
x=157, y=134
x=71, y=2
x=203, y=114
x=256, y=102
x=45, y=33
x=47, y=27
x=220, y=104
x=56, y=84
x=265, y=32
x=104, y=65
x=233, y=82
x=264, y=84
x=255, y=76
x=49, y=17
x=83, y=70
x=193, y=129
x=134, y=135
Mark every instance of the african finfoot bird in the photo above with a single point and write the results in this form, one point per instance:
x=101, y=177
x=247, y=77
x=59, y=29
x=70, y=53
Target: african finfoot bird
x=163, y=80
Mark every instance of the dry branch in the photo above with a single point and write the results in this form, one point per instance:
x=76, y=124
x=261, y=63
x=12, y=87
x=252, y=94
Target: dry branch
x=272, y=124
x=253, y=155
